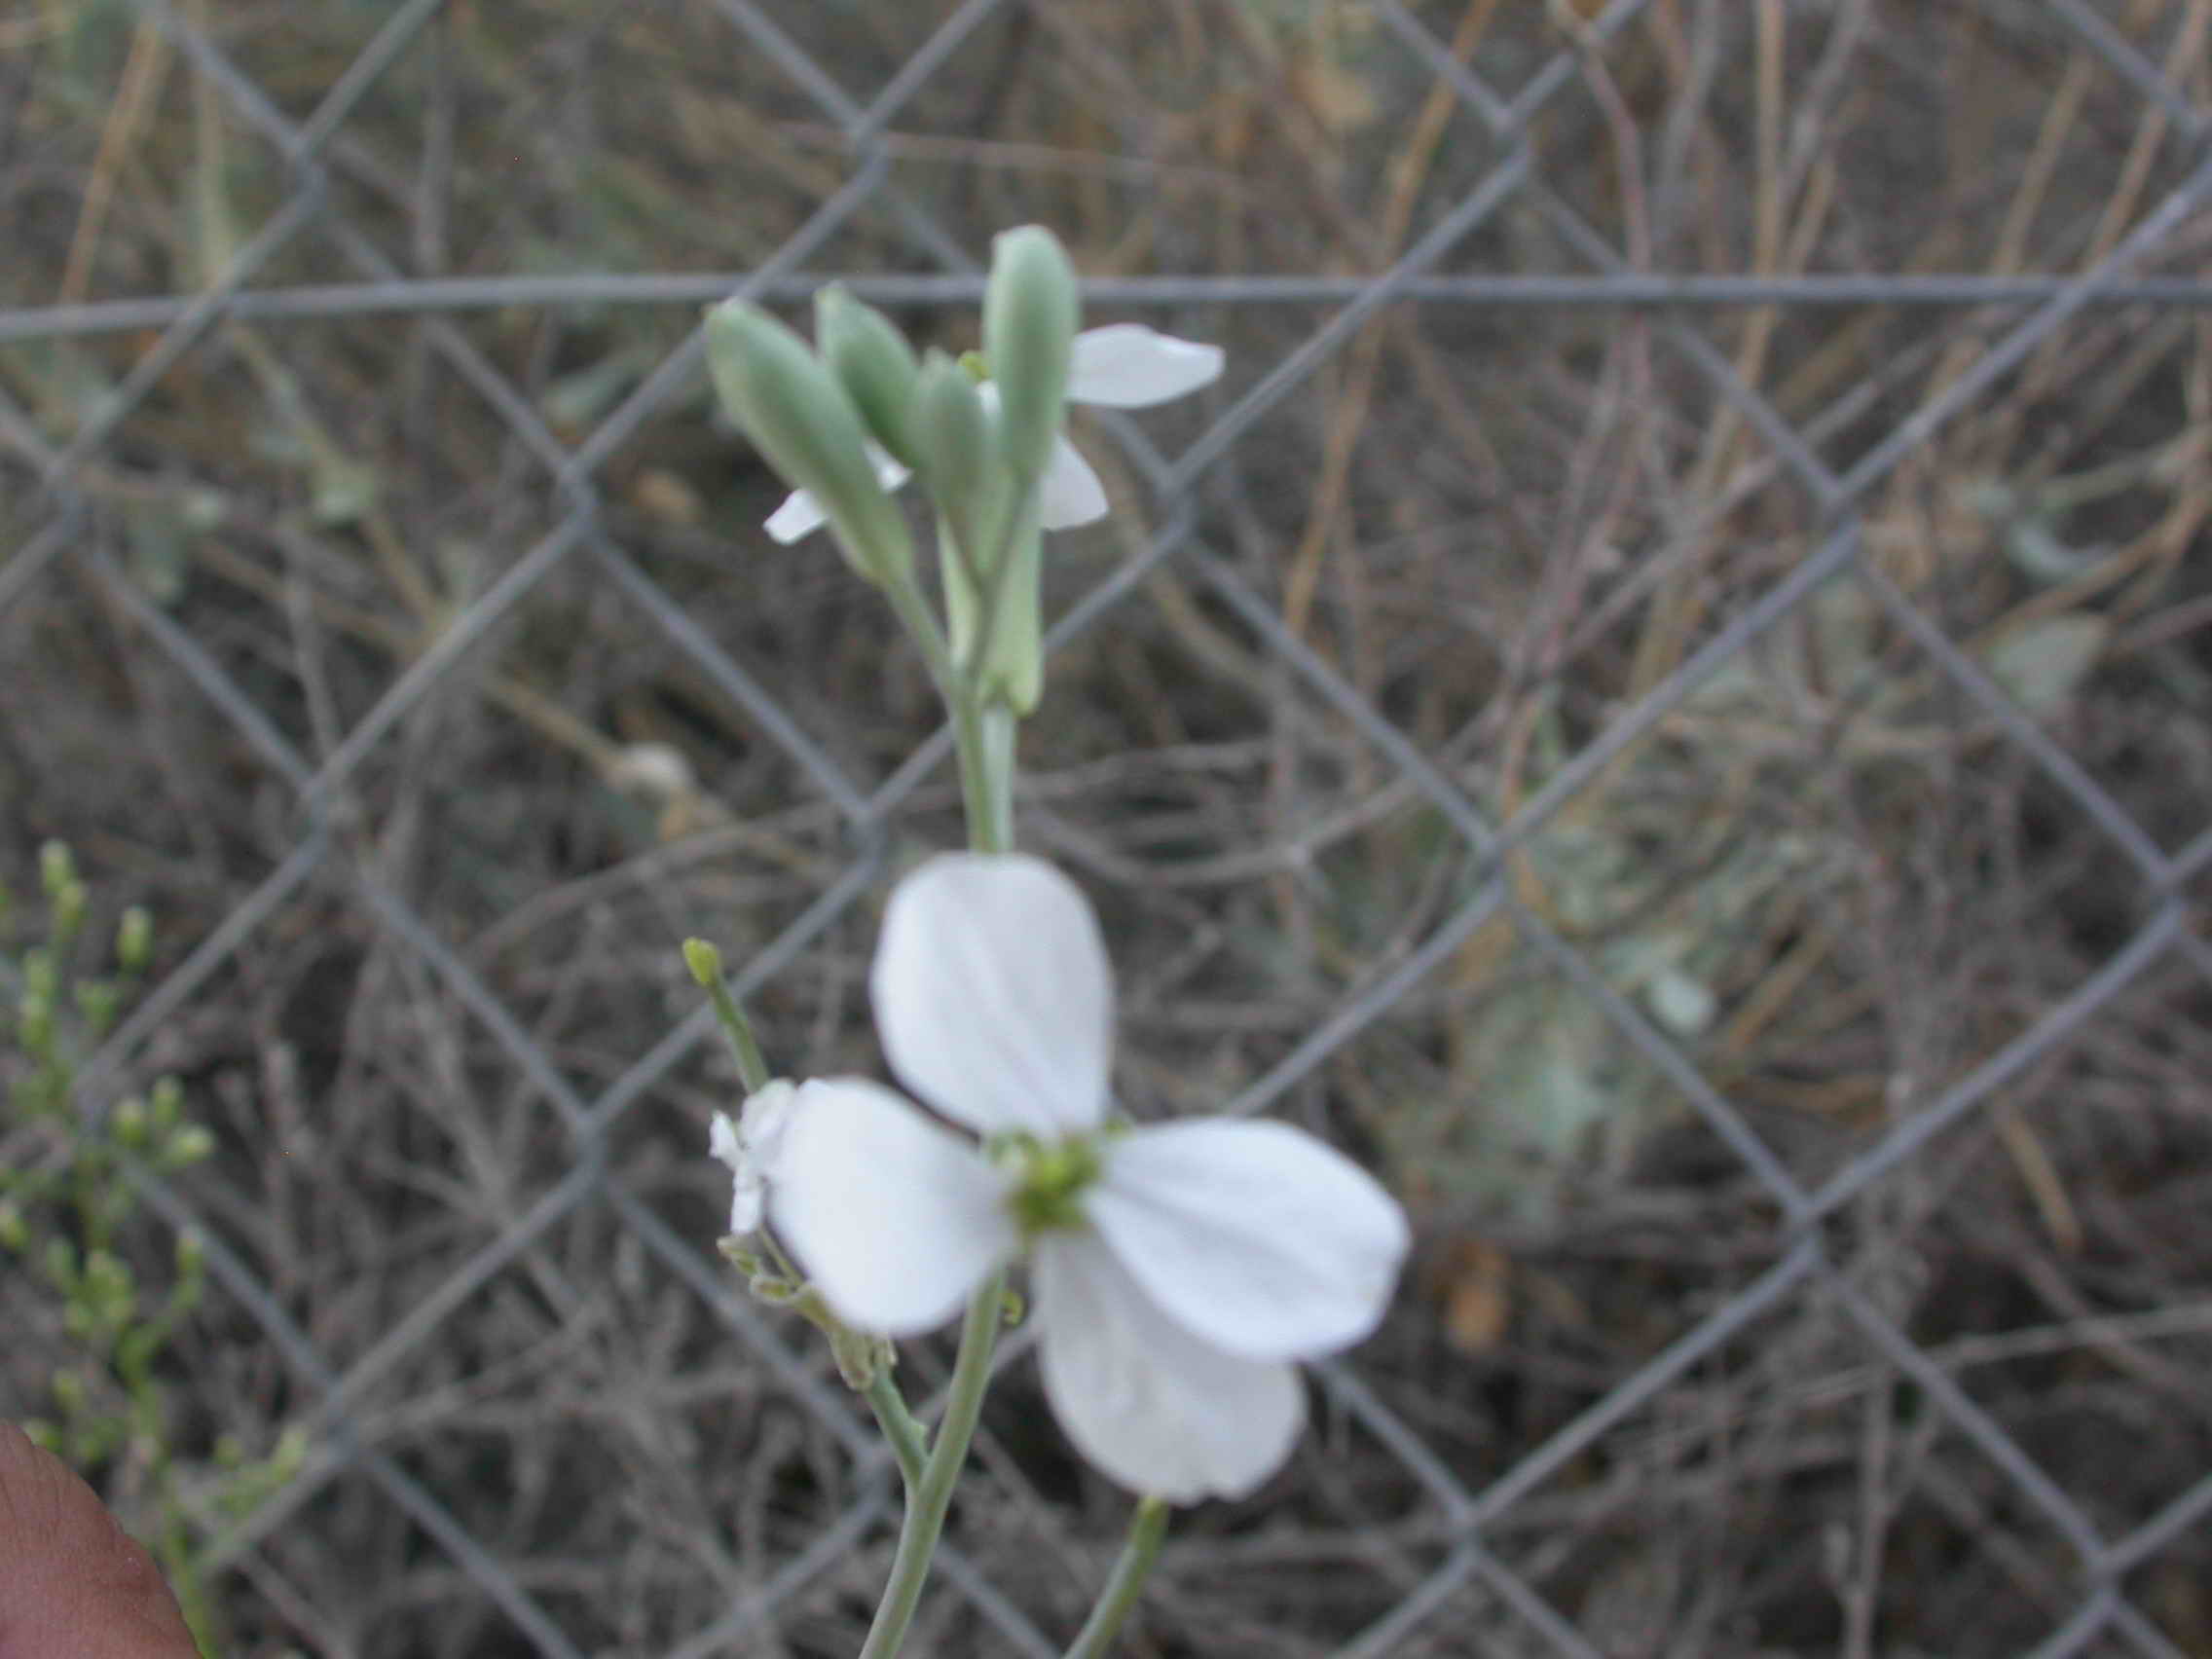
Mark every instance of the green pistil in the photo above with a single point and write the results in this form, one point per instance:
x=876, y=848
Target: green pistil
x=977, y=369
x=1051, y=1181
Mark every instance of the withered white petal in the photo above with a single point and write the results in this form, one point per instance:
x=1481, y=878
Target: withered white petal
x=750, y=1147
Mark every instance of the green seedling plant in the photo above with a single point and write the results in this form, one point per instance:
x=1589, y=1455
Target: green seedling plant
x=1176, y=1271
x=85, y=1257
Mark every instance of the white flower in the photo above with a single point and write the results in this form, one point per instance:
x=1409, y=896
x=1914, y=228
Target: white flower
x=1123, y=366
x=752, y=1147
x=1176, y=1269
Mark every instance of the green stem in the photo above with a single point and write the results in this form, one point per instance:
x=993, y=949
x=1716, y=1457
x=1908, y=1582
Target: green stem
x=986, y=740
x=909, y=1442
x=752, y=1064
x=1147, y=1527
x=931, y=1496
x=980, y=787
x=1000, y=730
x=913, y=611
x=991, y=599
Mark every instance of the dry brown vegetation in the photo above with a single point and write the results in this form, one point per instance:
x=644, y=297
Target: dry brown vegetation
x=1829, y=876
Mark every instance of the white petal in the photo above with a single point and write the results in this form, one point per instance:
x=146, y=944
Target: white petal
x=748, y=1202
x=721, y=1141
x=1130, y=366
x=801, y=515
x=1256, y=1236
x=993, y=996
x=1152, y=1406
x=765, y=1121
x=892, y=1218
x=1069, y=493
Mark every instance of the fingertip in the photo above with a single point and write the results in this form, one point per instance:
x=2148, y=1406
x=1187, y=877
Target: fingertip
x=75, y=1582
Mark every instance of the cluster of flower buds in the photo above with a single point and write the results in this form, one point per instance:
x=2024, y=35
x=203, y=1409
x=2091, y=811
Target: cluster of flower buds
x=853, y=418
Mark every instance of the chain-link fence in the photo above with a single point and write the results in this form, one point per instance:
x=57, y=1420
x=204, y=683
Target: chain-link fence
x=1801, y=616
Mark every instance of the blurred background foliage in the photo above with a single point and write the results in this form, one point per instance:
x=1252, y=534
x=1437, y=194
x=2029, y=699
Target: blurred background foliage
x=1829, y=876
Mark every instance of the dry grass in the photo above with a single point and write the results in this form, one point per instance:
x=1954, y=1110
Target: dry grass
x=1830, y=869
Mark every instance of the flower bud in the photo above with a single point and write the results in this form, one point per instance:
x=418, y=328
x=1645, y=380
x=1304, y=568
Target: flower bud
x=952, y=437
x=56, y=868
x=873, y=363
x=134, y=940
x=70, y=904
x=798, y=414
x=705, y=963
x=1030, y=312
x=1012, y=665
x=129, y=1124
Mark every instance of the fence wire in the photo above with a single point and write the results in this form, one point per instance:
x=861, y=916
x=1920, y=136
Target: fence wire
x=1194, y=493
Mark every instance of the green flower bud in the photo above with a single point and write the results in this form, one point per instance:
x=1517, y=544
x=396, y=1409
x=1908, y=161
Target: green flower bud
x=191, y=1254
x=798, y=414
x=1013, y=668
x=14, y=1233
x=953, y=439
x=134, y=940
x=70, y=904
x=56, y=868
x=189, y=1145
x=873, y=363
x=108, y=1278
x=131, y=1126
x=704, y=961
x=69, y=1392
x=1013, y=661
x=1030, y=312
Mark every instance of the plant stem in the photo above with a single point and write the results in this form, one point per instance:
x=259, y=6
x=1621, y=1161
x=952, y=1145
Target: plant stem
x=986, y=740
x=932, y=1494
x=1001, y=730
x=913, y=611
x=1147, y=1527
x=752, y=1064
x=909, y=1445
x=909, y=1442
x=981, y=789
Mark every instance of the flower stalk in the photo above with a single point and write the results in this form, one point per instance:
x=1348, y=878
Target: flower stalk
x=931, y=1499
x=1148, y=1530
x=993, y=991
